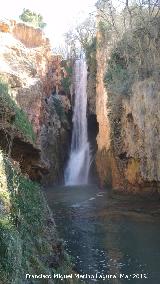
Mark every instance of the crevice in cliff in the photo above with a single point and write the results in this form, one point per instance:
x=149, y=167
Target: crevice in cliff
x=26, y=154
x=93, y=128
x=55, y=136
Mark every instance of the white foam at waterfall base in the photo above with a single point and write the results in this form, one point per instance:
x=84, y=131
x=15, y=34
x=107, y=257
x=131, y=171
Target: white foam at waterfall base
x=77, y=169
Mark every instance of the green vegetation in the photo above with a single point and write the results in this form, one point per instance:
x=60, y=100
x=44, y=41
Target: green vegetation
x=119, y=77
x=30, y=17
x=59, y=108
x=66, y=80
x=105, y=29
x=90, y=52
x=27, y=241
x=20, y=120
x=130, y=40
x=134, y=57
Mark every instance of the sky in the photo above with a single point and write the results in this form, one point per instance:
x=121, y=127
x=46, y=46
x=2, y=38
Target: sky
x=60, y=15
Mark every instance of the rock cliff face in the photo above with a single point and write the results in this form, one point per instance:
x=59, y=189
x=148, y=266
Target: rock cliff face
x=28, y=236
x=102, y=112
x=33, y=72
x=140, y=132
x=28, y=36
x=55, y=138
x=33, y=138
x=128, y=139
x=91, y=78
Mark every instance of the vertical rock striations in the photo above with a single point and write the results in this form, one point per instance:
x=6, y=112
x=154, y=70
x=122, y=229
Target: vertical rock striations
x=129, y=128
x=102, y=112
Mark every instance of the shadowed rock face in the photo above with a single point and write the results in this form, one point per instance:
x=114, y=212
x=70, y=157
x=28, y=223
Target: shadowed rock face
x=54, y=138
x=22, y=150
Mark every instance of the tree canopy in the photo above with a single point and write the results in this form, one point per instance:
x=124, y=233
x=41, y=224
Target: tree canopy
x=36, y=20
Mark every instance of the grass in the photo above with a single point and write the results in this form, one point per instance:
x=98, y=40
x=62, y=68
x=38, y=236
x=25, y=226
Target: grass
x=24, y=125
x=20, y=120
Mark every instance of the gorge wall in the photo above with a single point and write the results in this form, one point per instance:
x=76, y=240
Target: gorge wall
x=33, y=130
x=127, y=157
x=103, y=138
x=34, y=75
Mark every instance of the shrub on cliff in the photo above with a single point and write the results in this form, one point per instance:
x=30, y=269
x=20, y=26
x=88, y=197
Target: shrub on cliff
x=119, y=75
x=59, y=108
x=134, y=57
x=67, y=78
x=30, y=17
x=130, y=40
x=90, y=52
x=20, y=121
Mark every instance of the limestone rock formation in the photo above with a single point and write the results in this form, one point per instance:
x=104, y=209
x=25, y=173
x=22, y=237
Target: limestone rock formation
x=129, y=126
x=91, y=86
x=102, y=113
x=29, y=36
x=29, y=82
x=55, y=138
x=141, y=132
x=6, y=25
x=33, y=72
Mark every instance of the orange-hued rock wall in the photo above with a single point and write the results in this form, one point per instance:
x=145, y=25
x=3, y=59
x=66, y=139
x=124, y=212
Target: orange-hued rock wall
x=34, y=75
x=29, y=36
x=103, y=155
x=128, y=156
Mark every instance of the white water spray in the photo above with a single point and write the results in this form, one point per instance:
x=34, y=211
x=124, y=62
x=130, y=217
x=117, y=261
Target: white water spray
x=79, y=161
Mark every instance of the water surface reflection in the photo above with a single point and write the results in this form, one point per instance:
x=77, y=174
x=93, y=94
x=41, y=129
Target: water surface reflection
x=108, y=235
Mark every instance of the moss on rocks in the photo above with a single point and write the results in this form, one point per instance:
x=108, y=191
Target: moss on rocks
x=28, y=237
x=19, y=120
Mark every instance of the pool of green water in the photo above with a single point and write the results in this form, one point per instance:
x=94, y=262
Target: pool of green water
x=108, y=235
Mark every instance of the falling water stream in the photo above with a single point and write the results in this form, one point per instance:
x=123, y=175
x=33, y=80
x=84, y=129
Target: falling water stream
x=79, y=161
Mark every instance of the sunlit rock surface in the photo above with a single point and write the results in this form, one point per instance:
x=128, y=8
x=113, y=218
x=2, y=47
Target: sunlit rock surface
x=128, y=155
x=103, y=137
x=33, y=73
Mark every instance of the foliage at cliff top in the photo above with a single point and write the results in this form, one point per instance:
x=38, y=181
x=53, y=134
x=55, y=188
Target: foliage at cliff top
x=20, y=121
x=32, y=18
x=131, y=42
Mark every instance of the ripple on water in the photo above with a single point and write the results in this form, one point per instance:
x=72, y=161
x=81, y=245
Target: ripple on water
x=101, y=239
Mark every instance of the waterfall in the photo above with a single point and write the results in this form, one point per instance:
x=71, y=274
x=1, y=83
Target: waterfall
x=79, y=161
